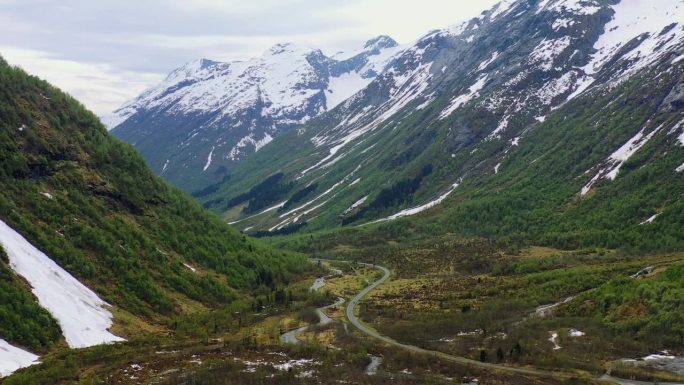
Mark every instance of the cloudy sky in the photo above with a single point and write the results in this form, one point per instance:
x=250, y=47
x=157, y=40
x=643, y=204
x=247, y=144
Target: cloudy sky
x=105, y=52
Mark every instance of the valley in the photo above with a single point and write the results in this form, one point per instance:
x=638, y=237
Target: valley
x=255, y=345
x=498, y=201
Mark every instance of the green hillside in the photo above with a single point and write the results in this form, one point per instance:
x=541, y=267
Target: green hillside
x=89, y=202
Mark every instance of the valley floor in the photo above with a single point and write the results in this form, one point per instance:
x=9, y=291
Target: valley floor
x=427, y=323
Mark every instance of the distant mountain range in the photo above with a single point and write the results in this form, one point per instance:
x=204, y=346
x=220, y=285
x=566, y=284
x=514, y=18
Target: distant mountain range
x=559, y=121
x=206, y=116
x=555, y=121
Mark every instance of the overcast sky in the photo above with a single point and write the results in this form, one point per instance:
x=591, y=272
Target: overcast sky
x=105, y=52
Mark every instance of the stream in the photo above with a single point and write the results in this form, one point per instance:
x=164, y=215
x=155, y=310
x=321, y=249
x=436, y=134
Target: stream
x=290, y=337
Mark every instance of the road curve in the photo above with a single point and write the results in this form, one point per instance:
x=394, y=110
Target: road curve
x=351, y=306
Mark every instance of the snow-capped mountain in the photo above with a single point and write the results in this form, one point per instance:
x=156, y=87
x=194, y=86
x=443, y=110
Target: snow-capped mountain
x=207, y=115
x=461, y=103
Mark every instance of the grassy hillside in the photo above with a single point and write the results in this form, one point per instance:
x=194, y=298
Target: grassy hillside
x=89, y=202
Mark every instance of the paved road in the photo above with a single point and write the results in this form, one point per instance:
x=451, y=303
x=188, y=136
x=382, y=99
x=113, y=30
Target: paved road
x=351, y=306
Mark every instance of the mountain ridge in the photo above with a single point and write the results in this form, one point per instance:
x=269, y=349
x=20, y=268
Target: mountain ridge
x=465, y=102
x=207, y=116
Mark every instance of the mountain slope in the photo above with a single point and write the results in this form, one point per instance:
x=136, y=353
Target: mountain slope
x=592, y=88
x=207, y=116
x=90, y=204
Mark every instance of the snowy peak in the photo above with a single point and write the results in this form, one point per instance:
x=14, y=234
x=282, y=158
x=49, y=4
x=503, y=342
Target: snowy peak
x=489, y=81
x=380, y=42
x=224, y=111
x=287, y=48
x=577, y=7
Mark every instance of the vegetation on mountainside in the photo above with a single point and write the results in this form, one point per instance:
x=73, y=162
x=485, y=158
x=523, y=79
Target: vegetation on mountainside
x=89, y=202
x=649, y=310
x=533, y=198
x=22, y=320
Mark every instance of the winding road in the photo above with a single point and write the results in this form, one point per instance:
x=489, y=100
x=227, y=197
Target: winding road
x=351, y=306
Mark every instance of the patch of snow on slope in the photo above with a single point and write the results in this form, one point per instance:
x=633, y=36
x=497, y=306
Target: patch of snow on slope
x=355, y=205
x=458, y=101
x=503, y=124
x=556, y=87
x=119, y=116
x=407, y=86
x=275, y=207
x=81, y=314
x=296, y=219
x=577, y=7
x=554, y=340
x=650, y=219
x=502, y=8
x=166, y=164
x=561, y=23
x=615, y=161
x=546, y=52
x=632, y=19
x=262, y=142
x=487, y=62
x=248, y=140
x=340, y=88
x=680, y=168
x=628, y=149
x=211, y=154
x=419, y=209
x=13, y=358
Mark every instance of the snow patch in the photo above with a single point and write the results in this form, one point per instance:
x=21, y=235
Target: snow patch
x=166, y=164
x=419, y=209
x=554, y=340
x=248, y=141
x=340, y=88
x=13, y=358
x=649, y=220
x=503, y=124
x=680, y=168
x=501, y=9
x=655, y=357
x=615, y=161
x=547, y=51
x=632, y=19
x=190, y=267
x=355, y=205
x=211, y=154
x=458, y=101
x=81, y=314
x=487, y=62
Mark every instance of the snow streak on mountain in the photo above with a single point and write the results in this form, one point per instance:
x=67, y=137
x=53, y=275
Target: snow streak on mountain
x=207, y=115
x=462, y=102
